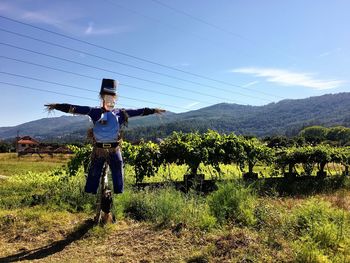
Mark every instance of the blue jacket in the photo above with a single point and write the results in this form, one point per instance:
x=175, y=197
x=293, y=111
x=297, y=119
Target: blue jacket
x=106, y=123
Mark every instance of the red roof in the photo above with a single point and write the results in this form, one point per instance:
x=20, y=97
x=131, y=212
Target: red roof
x=27, y=142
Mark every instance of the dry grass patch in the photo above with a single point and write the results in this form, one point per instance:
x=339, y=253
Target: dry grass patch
x=339, y=199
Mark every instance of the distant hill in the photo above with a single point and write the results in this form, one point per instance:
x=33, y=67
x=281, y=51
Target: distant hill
x=47, y=128
x=286, y=117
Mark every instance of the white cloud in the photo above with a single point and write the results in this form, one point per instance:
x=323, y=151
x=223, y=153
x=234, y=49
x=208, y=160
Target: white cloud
x=289, y=78
x=330, y=52
x=325, y=54
x=56, y=15
x=192, y=104
x=53, y=15
x=43, y=17
x=89, y=29
x=250, y=84
x=92, y=30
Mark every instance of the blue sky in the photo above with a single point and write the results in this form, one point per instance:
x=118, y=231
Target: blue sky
x=245, y=52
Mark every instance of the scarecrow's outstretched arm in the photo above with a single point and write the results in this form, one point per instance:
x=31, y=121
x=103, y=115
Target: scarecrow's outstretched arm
x=69, y=108
x=123, y=120
x=143, y=112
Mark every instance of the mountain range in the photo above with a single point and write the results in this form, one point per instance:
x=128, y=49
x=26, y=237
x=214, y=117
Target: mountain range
x=286, y=117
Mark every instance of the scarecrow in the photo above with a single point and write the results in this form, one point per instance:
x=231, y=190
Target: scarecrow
x=107, y=121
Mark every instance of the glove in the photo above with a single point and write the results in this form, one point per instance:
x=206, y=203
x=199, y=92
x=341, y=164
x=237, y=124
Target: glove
x=159, y=111
x=61, y=107
x=51, y=106
x=148, y=111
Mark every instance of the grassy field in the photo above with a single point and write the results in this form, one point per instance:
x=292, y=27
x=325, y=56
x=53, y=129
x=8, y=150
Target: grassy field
x=10, y=164
x=45, y=216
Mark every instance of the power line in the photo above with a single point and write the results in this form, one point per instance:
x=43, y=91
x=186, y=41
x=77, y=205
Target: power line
x=163, y=93
x=50, y=91
x=43, y=90
x=210, y=40
x=94, y=78
x=131, y=56
x=158, y=21
x=84, y=89
x=48, y=67
x=125, y=64
x=201, y=20
x=207, y=40
x=92, y=44
x=115, y=72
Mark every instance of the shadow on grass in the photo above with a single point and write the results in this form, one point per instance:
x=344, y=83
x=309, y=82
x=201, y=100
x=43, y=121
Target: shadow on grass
x=53, y=248
x=303, y=185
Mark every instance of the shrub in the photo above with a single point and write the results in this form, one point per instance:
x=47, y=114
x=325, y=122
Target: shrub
x=168, y=206
x=233, y=202
x=196, y=212
x=165, y=207
x=69, y=194
x=158, y=206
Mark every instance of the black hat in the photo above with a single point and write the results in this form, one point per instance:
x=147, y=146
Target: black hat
x=109, y=87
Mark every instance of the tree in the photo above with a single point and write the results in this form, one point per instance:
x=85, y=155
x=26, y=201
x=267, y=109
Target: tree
x=213, y=143
x=314, y=134
x=345, y=159
x=277, y=141
x=5, y=147
x=339, y=134
x=234, y=150
x=255, y=151
x=146, y=160
x=181, y=148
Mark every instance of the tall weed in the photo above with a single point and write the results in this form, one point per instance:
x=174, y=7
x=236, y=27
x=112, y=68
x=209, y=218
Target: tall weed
x=69, y=193
x=319, y=219
x=165, y=207
x=308, y=252
x=321, y=231
x=233, y=202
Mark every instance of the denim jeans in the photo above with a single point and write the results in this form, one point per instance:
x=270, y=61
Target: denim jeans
x=115, y=162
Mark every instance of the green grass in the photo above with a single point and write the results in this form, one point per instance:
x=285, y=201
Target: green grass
x=233, y=202
x=236, y=223
x=166, y=207
x=323, y=232
x=10, y=164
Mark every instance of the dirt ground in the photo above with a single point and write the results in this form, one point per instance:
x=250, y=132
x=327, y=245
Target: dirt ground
x=126, y=241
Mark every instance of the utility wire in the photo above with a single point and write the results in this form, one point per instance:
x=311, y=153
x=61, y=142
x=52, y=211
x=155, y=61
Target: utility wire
x=125, y=64
x=48, y=67
x=44, y=90
x=84, y=89
x=207, y=40
x=158, y=21
x=210, y=40
x=115, y=72
x=131, y=56
x=200, y=20
x=94, y=78
x=53, y=92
